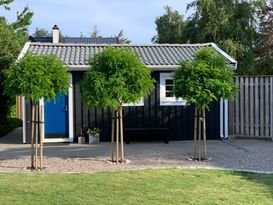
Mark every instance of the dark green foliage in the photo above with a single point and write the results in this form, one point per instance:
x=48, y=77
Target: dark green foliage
x=264, y=48
x=230, y=24
x=12, y=39
x=204, y=80
x=116, y=76
x=8, y=125
x=37, y=76
x=41, y=32
x=170, y=27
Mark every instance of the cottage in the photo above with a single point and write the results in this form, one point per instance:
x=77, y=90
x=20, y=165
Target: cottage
x=64, y=119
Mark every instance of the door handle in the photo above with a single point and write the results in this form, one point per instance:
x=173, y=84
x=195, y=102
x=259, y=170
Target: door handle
x=66, y=108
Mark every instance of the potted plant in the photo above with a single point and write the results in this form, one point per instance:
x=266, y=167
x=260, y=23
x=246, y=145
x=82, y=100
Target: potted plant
x=81, y=138
x=94, y=135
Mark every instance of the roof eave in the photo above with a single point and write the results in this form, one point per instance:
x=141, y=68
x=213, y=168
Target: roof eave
x=152, y=67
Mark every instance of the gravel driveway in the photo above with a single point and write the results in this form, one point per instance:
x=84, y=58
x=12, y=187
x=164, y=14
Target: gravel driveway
x=251, y=155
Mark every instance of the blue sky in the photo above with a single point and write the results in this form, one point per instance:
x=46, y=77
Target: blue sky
x=136, y=18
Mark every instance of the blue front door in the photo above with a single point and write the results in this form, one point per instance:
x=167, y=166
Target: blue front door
x=56, y=117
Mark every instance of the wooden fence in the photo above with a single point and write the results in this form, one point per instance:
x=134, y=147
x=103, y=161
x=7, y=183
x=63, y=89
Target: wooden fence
x=251, y=113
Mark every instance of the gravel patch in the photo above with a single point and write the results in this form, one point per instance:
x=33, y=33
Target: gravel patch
x=249, y=155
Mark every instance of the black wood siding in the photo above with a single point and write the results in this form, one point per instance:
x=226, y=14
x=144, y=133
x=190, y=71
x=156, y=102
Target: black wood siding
x=179, y=119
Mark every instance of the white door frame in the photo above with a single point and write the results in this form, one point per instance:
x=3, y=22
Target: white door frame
x=70, y=117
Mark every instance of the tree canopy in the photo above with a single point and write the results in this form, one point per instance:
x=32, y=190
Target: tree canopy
x=230, y=24
x=41, y=32
x=12, y=38
x=116, y=76
x=170, y=27
x=264, y=47
x=205, y=79
x=37, y=76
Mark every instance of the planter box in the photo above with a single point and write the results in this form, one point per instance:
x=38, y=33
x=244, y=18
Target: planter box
x=81, y=140
x=94, y=139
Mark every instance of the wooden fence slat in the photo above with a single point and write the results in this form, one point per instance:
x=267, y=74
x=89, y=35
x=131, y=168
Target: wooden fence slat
x=271, y=106
x=266, y=107
x=257, y=116
x=251, y=109
x=242, y=119
x=262, y=106
x=237, y=106
x=246, y=107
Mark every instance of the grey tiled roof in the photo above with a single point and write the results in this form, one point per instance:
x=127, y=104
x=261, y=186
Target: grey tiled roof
x=151, y=55
x=76, y=40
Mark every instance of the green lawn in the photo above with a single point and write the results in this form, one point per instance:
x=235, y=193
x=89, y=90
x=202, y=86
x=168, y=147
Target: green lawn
x=162, y=186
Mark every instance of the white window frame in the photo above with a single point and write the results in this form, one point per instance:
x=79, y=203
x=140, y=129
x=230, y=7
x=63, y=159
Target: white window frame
x=139, y=103
x=167, y=101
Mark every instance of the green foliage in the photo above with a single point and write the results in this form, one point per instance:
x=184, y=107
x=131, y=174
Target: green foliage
x=37, y=76
x=12, y=39
x=41, y=32
x=264, y=48
x=170, y=27
x=116, y=76
x=230, y=24
x=206, y=79
x=8, y=125
x=12, y=111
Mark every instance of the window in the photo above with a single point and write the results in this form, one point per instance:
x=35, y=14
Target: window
x=166, y=91
x=139, y=103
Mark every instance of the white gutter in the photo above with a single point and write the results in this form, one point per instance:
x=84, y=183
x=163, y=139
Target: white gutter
x=24, y=51
x=223, y=53
x=226, y=118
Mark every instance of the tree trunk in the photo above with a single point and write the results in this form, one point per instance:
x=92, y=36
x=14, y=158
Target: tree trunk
x=204, y=134
x=112, y=135
x=199, y=134
x=41, y=138
x=121, y=134
x=117, y=136
x=195, y=133
x=32, y=134
x=36, y=134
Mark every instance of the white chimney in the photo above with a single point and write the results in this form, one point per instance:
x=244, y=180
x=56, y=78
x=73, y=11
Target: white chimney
x=55, y=34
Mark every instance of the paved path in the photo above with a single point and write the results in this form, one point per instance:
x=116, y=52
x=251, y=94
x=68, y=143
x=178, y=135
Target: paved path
x=253, y=155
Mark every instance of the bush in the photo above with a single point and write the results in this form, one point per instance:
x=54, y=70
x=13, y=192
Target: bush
x=9, y=125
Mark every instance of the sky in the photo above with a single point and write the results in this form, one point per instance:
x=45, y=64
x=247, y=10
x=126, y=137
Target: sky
x=135, y=18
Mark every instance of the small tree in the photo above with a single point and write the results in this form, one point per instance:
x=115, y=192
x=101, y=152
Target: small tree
x=205, y=79
x=35, y=77
x=116, y=76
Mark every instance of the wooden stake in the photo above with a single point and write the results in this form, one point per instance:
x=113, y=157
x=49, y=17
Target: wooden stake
x=41, y=138
x=121, y=135
x=32, y=135
x=112, y=135
x=199, y=135
x=117, y=136
x=204, y=134
x=36, y=134
x=195, y=133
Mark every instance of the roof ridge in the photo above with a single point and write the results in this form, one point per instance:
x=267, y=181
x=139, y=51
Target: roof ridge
x=120, y=45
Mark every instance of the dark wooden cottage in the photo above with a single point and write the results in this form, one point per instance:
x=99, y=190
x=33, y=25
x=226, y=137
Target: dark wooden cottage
x=65, y=119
